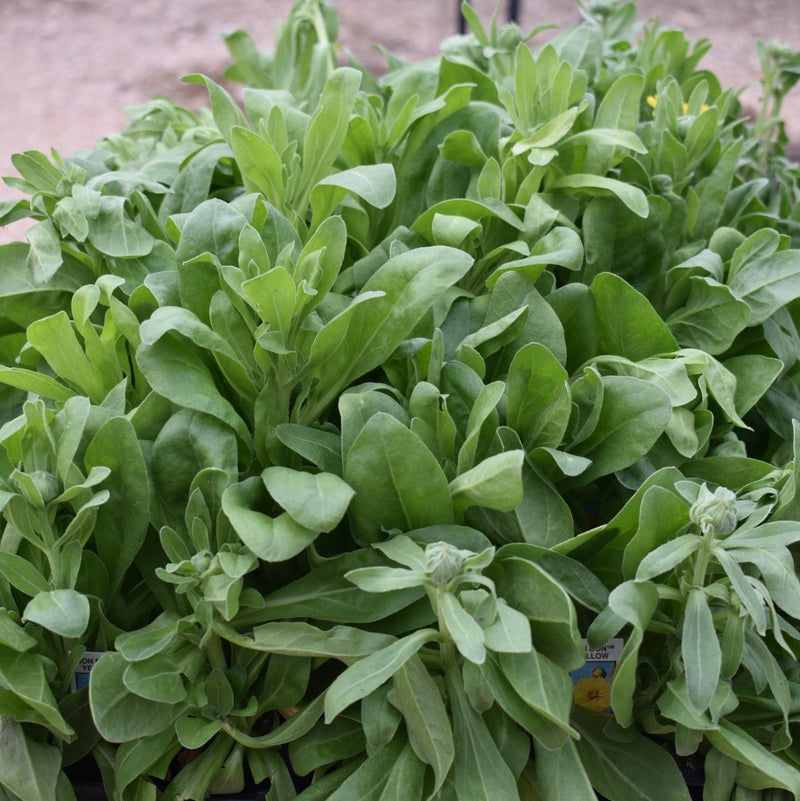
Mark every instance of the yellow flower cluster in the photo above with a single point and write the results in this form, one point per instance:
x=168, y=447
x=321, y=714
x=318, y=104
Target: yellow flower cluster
x=652, y=100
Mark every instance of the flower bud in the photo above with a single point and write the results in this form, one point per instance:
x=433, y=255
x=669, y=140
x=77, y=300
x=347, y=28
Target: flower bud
x=443, y=561
x=715, y=510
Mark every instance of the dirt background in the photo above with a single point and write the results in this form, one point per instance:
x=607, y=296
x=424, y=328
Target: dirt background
x=68, y=68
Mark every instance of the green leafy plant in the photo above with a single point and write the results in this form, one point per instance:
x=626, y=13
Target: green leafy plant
x=336, y=422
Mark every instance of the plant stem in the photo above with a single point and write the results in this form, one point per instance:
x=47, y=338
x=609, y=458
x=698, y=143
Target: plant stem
x=703, y=557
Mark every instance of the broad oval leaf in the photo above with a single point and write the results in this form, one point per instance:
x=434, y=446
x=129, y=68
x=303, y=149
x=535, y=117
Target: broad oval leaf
x=398, y=481
x=119, y=714
x=29, y=768
x=632, y=417
x=316, y=501
x=495, y=483
x=598, y=185
x=64, y=612
x=273, y=539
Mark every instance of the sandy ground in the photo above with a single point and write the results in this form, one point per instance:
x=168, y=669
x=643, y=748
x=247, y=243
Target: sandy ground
x=68, y=68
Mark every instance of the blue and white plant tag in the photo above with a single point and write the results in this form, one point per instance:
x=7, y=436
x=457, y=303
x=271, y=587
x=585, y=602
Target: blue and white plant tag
x=80, y=677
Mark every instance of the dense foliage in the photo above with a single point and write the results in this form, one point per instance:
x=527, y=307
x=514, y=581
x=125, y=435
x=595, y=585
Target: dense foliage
x=337, y=421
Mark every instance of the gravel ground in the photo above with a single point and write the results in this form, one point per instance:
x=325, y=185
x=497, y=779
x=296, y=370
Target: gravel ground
x=68, y=68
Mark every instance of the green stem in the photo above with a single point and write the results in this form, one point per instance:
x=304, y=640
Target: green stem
x=703, y=558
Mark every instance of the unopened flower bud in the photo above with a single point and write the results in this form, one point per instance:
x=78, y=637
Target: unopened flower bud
x=715, y=510
x=443, y=561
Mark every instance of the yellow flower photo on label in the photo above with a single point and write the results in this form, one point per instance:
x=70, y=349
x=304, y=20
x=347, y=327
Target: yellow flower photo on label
x=593, y=692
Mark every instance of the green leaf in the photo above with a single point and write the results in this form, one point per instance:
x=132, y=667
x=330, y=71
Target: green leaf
x=633, y=415
x=619, y=112
x=635, y=603
x=317, y=501
x=628, y=324
x=64, y=612
x=28, y=768
x=301, y=639
x=385, y=579
x=667, y=556
x=24, y=675
x=777, y=569
x=55, y=338
x=321, y=448
x=674, y=704
x=552, y=733
x=700, y=649
x=325, y=594
x=495, y=483
x=560, y=247
x=379, y=718
x=41, y=384
x=327, y=130
x=194, y=732
x=20, y=573
x=397, y=480
x=326, y=744
x=710, y=318
x=367, y=332
x=479, y=769
x=624, y=765
x=123, y=520
x=531, y=590
x=463, y=628
x=177, y=373
x=662, y=513
x=369, y=673
x=393, y=773
x=135, y=758
x=373, y=183
x=720, y=775
x=544, y=686
x=539, y=400
x=156, y=679
x=226, y=113
x=562, y=774
x=580, y=582
x=737, y=744
x=287, y=679
x=430, y=733
x=12, y=635
x=767, y=283
x=44, y=256
x=754, y=375
x=296, y=726
x=510, y=632
x=600, y=186
x=149, y=640
x=119, y=714
x=260, y=164
x=273, y=539
x=114, y=233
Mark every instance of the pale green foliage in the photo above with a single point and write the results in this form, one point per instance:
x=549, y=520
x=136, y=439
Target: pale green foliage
x=339, y=419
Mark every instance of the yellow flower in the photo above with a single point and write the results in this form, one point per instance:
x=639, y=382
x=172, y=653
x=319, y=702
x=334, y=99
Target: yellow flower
x=652, y=100
x=593, y=693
